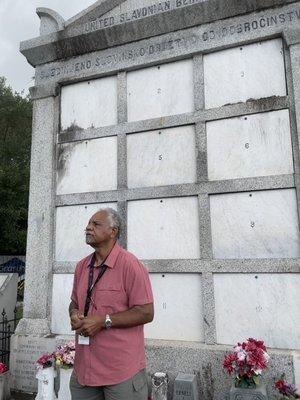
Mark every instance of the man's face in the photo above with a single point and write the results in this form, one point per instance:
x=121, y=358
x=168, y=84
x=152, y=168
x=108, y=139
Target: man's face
x=98, y=230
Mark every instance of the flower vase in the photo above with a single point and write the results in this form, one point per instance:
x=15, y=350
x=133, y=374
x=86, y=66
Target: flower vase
x=45, y=379
x=4, y=386
x=257, y=392
x=160, y=382
x=64, y=383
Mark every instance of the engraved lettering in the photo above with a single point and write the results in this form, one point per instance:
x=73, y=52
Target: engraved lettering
x=262, y=22
x=247, y=26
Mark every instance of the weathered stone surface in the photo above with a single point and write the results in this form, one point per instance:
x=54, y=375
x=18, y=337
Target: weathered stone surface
x=169, y=356
x=185, y=387
x=70, y=239
x=89, y=104
x=172, y=223
x=219, y=34
x=272, y=311
x=40, y=219
x=160, y=164
x=60, y=45
x=94, y=162
x=257, y=393
x=206, y=362
x=248, y=146
x=150, y=222
x=229, y=77
x=51, y=21
x=255, y=225
x=25, y=350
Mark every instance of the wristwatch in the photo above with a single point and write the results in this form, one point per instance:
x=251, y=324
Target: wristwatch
x=108, y=322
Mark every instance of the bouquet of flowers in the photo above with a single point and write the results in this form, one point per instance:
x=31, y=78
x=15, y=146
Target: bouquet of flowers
x=45, y=361
x=287, y=390
x=3, y=368
x=65, y=355
x=247, y=362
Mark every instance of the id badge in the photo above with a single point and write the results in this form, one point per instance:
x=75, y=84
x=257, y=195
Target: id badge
x=84, y=340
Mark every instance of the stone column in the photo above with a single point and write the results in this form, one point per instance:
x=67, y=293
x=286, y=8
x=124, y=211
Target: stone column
x=39, y=254
x=292, y=38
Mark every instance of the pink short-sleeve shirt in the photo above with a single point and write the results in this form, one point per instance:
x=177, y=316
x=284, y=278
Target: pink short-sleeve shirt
x=113, y=355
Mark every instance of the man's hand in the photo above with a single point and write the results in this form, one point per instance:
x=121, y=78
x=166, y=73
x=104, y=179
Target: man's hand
x=76, y=319
x=91, y=325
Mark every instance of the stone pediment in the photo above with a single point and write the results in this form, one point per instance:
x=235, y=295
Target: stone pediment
x=104, y=14
x=96, y=10
x=109, y=23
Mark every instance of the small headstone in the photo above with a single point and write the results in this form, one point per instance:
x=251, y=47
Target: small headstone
x=185, y=387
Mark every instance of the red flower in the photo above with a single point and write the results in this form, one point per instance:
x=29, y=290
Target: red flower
x=3, y=368
x=229, y=363
x=45, y=361
x=248, y=359
x=258, y=343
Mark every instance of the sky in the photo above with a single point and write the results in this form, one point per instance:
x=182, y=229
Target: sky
x=18, y=22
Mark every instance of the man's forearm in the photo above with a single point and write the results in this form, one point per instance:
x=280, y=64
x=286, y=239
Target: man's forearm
x=72, y=307
x=138, y=315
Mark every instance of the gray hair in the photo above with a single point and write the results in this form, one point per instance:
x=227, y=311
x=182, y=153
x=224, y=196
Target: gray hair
x=113, y=218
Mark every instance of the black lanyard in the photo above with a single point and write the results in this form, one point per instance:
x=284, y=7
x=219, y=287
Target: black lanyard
x=91, y=285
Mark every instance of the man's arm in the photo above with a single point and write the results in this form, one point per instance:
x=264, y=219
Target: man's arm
x=75, y=316
x=137, y=315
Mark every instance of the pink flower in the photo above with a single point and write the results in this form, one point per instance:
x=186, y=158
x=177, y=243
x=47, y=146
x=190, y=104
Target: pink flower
x=230, y=363
x=248, y=359
x=3, y=368
x=45, y=361
x=241, y=355
x=65, y=355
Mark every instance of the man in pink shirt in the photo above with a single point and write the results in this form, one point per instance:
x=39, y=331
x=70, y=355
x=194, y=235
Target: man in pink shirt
x=111, y=301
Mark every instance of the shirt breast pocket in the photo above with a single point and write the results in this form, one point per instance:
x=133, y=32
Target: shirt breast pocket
x=110, y=298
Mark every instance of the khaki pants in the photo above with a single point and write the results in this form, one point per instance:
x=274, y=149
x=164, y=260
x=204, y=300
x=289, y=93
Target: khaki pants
x=135, y=388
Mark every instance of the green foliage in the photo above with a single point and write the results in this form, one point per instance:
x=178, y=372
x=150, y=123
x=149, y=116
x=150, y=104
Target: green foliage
x=15, y=142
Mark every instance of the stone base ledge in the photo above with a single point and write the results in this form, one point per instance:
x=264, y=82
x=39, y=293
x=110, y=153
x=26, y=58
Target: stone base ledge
x=205, y=361
x=35, y=327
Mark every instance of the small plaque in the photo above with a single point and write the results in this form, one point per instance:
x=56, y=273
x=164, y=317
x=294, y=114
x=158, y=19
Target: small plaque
x=185, y=387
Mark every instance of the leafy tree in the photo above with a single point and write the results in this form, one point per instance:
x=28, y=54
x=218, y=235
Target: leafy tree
x=15, y=142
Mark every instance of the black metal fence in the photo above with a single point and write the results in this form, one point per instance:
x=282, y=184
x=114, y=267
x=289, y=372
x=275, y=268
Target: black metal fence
x=7, y=328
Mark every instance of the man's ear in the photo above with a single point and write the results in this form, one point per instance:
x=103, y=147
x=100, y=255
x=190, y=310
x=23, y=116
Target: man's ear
x=115, y=232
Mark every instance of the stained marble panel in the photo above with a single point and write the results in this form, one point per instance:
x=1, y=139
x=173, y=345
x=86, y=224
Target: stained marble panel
x=89, y=104
x=3, y=278
x=160, y=91
x=264, y=306
x=251, y=145
x=178, y=311
x=260, y=224
x=87, y=166
x=61, y=297
x=71, y=222
x=164, y=228
x=162, y=157
x=246, y=72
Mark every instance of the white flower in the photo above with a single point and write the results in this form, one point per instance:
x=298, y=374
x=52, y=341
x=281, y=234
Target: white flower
x=237, y=349
x=258, y=371
x=241, y=355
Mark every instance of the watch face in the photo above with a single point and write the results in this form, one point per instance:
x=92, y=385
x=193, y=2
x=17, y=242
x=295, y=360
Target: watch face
x=108, y=322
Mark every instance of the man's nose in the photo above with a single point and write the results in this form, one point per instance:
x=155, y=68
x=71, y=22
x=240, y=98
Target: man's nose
x=88, y=227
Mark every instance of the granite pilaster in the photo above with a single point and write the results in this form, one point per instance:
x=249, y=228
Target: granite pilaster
x=40, y=220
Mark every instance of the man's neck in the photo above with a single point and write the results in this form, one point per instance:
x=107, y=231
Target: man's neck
x=103, y=251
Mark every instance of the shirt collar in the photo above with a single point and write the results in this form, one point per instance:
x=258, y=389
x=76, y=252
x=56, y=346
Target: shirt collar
x=111, y=259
